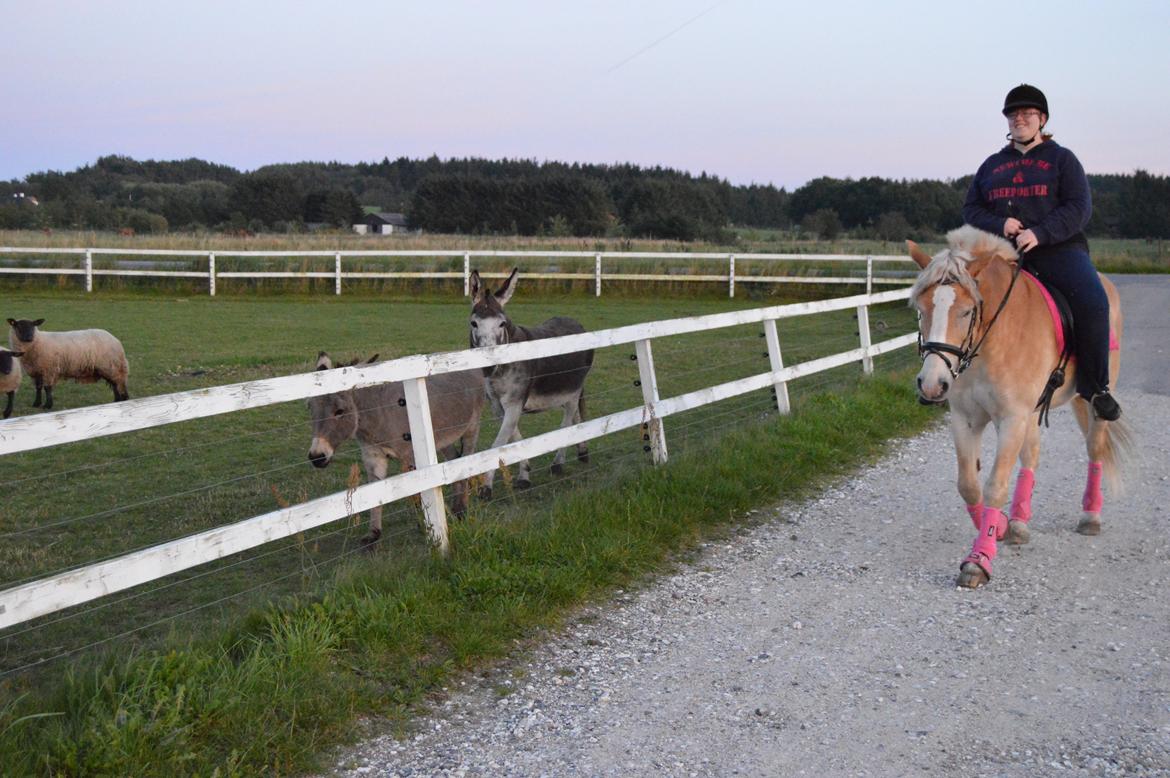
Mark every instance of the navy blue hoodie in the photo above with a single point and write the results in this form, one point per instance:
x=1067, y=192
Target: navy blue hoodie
x=1046, y=189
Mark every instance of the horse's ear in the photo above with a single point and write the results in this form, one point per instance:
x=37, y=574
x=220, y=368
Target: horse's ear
x=920, y=257
x=323, y=361
x=505, y=293
x=477, y=289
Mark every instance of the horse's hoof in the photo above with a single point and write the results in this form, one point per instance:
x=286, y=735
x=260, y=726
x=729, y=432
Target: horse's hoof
x=557, y=468
x=523, y=483
x=1090, y=525
x=485, y=492
x=971, y=576
x=1018, y=533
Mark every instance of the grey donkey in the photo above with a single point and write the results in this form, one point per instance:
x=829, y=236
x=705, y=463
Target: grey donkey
x=541, y=384
x=376, y=416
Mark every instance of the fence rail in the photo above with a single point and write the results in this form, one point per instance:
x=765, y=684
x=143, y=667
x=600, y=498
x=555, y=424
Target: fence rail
x=339, y=273
x=44, y=596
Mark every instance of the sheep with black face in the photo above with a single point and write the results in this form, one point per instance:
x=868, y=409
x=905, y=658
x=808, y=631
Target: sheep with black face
x=82, y=355
x=10, y=375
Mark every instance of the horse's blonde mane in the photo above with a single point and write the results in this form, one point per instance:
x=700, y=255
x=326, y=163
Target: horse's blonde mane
x=966, y=244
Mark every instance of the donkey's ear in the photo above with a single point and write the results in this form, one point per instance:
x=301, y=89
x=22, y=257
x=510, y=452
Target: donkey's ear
x=505, y=293
x=323, y=361
x=920, y=257
x=372, y=359
x=476, y=287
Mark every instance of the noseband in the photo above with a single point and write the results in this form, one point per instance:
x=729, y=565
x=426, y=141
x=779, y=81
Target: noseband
x=966, y=351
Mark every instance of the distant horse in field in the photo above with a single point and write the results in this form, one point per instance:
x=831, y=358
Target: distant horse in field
x=990, y=348
x=376, y=416
x=541, y=384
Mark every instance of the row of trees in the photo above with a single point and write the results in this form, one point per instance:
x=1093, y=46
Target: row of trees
x=521, y=197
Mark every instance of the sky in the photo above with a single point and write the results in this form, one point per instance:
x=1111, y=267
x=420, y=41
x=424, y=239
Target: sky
x=753, y=91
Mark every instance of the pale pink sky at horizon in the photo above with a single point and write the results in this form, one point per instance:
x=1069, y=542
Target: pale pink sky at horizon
x=751, y=91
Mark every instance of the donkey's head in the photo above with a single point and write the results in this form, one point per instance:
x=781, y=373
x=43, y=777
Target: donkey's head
x=25, y=329
x=949, y=298
x=490, y=325
x=334, y=417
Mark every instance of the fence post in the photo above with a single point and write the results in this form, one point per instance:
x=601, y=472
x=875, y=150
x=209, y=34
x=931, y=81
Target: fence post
x=863, y=331
x=211, y=274
x=88, y=270
x=466, y=274
x=731, y=275
x=597, y=275
x=780, y=388
x=337, y=273
x=652, y=430
x=869, y=275
x=422, y=439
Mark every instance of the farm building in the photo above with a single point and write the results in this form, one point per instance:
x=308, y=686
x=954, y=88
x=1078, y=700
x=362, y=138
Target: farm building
x=381, y=224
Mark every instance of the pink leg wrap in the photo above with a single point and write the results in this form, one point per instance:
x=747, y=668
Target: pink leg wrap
x=976, y=514
x=993, y=526
x=1092, y=499
x=1022, y=499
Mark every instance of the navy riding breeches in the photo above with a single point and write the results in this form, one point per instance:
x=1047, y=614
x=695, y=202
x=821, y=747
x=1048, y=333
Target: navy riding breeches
x=1071, y=272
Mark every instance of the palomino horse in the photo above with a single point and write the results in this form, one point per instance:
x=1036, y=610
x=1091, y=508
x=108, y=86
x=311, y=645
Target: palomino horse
x=989, y=345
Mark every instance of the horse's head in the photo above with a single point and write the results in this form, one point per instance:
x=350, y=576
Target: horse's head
x=334, y=416
x=948, y=296
x=490, y=325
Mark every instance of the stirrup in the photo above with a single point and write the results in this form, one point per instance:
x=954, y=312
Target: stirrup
x=1105, y=407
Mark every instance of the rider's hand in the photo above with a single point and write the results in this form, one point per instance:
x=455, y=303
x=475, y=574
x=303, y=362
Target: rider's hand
x=1026, y=241
x=1012, y=227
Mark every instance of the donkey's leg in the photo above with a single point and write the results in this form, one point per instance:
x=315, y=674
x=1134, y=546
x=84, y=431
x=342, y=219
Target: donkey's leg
x=570, y=413
x=578, y=417
x=459, y=488
x=508, y=429
x=1021, y=512
x=1096, y=432
x=976, y=567
x=374, y=462
x=524, y=480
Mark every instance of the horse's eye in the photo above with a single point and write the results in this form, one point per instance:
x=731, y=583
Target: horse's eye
x=475, y=325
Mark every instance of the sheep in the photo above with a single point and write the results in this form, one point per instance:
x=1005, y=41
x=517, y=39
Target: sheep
x=10, y=375
x=83, y=355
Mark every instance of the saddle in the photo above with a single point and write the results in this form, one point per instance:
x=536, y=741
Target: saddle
x=1062, y=321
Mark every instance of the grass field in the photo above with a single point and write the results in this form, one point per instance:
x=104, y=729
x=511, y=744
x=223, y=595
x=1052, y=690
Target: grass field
x=519, y=561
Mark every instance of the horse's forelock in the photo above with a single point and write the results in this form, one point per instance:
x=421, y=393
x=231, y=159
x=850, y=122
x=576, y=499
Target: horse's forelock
x=948, y=266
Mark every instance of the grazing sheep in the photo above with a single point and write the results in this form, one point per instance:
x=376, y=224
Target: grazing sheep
x=10, y=375
x=83, y=355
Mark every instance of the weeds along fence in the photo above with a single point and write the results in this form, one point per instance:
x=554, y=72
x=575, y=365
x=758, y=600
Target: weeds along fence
x=29, y=600
x=336, y=268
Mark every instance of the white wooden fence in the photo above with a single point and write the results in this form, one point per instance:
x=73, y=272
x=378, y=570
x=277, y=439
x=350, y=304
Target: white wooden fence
x=339, y=273
x=37, y=598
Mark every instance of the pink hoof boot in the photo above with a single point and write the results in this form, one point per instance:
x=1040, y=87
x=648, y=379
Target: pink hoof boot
x=1022, y=498
x=1090, y=523
x=976, y=567
x=976, y=514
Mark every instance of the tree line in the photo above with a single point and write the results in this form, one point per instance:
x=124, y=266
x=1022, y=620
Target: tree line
x=521, y=197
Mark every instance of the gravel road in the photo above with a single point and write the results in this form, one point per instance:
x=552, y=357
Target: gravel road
x=829, y=638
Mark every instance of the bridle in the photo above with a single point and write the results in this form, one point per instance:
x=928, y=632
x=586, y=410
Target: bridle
x=968, y=349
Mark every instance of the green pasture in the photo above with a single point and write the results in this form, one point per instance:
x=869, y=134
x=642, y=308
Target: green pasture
x=312, y=628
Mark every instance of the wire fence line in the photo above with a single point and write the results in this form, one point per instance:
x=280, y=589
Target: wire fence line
x=47, y=595
x=606, y=266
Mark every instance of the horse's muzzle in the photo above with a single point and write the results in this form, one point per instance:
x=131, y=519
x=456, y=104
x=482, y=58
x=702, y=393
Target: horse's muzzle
x=318, y=460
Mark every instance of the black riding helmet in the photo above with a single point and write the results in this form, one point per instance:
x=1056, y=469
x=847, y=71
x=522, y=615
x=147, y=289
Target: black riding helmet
x=1025, y=96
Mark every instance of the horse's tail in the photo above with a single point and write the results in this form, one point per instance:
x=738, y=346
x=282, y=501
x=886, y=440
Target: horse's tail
x=1120, y=453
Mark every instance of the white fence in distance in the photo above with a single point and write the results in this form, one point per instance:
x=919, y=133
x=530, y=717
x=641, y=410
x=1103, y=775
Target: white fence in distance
x=47, y=595
x=339, y=273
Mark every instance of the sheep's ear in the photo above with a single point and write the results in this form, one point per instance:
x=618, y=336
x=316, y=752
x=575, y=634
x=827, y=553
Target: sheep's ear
x=38, y=322
x=323, y=361
x=505, y=293
x=920, y=257
x=12, y=322
x=477, y=290
x=372, y=359
x=16, y=353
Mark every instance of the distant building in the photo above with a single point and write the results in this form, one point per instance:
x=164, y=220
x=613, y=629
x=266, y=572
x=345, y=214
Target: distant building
x=381, y=224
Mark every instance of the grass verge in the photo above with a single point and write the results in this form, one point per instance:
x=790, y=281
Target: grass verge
x=287, y=683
